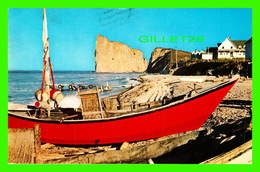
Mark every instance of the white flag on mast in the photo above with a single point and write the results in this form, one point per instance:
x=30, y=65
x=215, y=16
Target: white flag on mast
x=45, y=35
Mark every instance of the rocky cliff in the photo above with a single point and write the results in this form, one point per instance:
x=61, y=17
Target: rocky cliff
x=163, y=60
x=117, y=57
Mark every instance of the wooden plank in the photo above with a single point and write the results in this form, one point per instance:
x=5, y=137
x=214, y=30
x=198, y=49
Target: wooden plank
x=245, y=158
x=91, y=102
x=86, y=92
x=111, y=104
x=137, y=153
x=150, y=161
x=100, y=104
x=229, y=156
x=37, y=142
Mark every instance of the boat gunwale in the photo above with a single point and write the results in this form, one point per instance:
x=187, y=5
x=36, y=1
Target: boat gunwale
x=131, y=114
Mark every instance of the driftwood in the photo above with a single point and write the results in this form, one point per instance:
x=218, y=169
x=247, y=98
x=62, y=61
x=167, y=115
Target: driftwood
x=138, y=153
x=231, y=155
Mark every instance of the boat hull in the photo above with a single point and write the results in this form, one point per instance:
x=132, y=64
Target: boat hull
x=169, y=119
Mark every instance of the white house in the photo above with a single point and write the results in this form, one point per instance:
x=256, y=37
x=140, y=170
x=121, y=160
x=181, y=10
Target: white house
x=231, y=49
x=207, y=56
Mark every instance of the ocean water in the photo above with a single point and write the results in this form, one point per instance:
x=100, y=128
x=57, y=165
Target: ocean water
x=23, y=84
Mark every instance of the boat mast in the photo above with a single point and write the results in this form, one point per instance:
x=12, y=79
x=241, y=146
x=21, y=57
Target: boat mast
x=47, y=91
x=46, y=62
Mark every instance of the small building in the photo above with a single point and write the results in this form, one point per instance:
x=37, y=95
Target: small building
x=214, y=51
x=207, y=56
x=231, y=49
x=249, y=49
x=211, y=53
x=196, y=54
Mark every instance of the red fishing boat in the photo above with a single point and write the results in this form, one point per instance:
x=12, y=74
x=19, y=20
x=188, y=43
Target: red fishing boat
x=175, y=117
x=96, y=124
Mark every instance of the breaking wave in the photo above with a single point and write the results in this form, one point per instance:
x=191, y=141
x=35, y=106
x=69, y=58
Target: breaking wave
x=23, y=84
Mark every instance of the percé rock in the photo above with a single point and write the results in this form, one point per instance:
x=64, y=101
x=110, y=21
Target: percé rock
x=162, y=60
x=116, y=57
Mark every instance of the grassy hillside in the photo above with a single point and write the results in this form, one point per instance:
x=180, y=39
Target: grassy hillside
x=217, y=67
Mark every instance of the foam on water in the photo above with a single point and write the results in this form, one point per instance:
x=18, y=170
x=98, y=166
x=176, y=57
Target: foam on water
x=70, y=101
x=133, y=82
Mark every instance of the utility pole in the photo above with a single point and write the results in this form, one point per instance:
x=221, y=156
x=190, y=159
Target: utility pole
x=176, y=57
x=170, y=66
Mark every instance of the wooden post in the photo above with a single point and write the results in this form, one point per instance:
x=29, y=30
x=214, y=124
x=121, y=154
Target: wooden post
x=176, y=58
x=100, y=104
x=37, y=143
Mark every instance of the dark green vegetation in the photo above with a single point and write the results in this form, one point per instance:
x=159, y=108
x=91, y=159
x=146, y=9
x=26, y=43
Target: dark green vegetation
x=216, y=67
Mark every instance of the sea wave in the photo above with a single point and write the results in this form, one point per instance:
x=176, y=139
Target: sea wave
x=22, y=85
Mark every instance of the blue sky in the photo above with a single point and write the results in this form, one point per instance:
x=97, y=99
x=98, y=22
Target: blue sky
x=73, y=31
